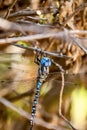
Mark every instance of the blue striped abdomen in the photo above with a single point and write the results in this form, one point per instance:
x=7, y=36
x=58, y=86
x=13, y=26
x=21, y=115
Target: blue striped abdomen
x=35, y=102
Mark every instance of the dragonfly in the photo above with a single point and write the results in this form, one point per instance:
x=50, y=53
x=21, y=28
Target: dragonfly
x=9, y=64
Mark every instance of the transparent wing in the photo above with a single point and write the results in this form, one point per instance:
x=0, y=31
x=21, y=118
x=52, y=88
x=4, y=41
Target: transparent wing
x=18, y=72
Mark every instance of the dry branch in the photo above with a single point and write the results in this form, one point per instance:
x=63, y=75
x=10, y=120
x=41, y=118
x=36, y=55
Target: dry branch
x=6, y=25
x=61, y=35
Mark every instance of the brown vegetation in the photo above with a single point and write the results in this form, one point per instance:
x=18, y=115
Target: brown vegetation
x=58, y=26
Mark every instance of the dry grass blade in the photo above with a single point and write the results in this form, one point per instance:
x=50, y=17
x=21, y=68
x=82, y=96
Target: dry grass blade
x=79, y=8
x=78, y=42
x=9, y=10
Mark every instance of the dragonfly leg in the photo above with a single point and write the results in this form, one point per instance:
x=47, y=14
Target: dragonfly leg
x=38, y=58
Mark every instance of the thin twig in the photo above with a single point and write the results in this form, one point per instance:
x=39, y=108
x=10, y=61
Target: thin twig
x=60, y=103
x=29, y=12
x=36, y=19
x=59, y=66
x=22, y=13
x=78, y=9
x=42, y=51
x=9, y=10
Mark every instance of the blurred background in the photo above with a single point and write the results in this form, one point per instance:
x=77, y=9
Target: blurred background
x=18, y=71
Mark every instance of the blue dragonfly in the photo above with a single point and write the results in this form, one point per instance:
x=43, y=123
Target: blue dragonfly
x=43, y=73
